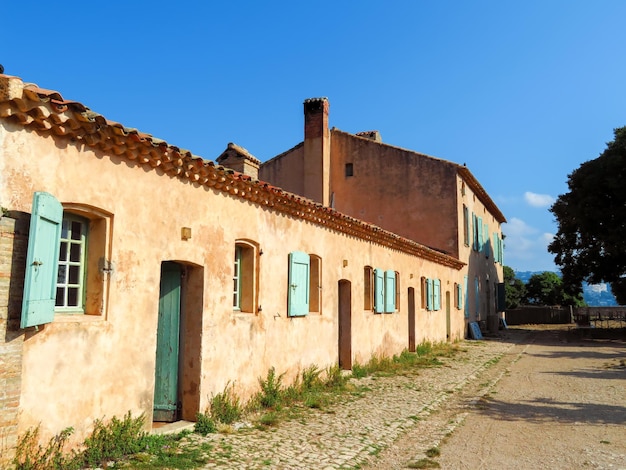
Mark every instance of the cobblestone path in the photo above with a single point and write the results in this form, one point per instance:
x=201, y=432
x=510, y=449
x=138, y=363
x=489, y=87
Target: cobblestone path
x=353, y=433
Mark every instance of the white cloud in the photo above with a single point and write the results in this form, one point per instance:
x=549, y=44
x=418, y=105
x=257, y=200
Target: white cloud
x=538, y=200
x=526, y=247
x=598, y=288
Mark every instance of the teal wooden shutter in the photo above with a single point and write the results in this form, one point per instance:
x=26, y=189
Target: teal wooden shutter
x=390, y=291
x=480, y=233
x=487, y=242
x=379, y=289
x=298, y=293
x=42, y=260
x=429, y=294
x=501, y=245
x=437, y=294
x=466, y=292
x=496, y=251
x=459, y=297
x=474, y=231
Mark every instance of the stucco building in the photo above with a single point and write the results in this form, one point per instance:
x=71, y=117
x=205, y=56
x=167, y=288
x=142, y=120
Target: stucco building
x=136, y=276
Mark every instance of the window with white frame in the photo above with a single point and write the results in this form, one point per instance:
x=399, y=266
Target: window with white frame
x=245, y=276
x=68, y=260
x=72, y=264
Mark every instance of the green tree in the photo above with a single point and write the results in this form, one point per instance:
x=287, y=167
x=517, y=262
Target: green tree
x=546, y=288
x=590, y=244
x=514, y=289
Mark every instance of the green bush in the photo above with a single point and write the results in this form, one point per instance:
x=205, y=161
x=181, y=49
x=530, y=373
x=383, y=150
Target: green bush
x=271, y=388
x=204, y=424
x=225, y=406
x=30, y=455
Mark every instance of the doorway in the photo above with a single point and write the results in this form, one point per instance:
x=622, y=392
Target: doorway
x=448, y=326
x=166, y=397
x=345, y=325
x=411, y=297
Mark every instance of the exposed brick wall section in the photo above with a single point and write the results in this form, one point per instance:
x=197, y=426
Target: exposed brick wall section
x=13, y=245
x=316, y=112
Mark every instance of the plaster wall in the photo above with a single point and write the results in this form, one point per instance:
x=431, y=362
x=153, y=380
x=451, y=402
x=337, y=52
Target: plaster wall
x=82, y=367
x=399, y=190
x=286, y=170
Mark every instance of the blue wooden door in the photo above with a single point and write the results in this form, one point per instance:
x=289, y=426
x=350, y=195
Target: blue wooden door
x=168, y=331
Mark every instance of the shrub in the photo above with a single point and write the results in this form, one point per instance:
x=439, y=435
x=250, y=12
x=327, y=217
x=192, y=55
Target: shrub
x=225, y=406
x=271, y=386
x=30, y=455
x=204, y=424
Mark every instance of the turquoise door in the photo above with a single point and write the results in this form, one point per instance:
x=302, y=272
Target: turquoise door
x=168, y=331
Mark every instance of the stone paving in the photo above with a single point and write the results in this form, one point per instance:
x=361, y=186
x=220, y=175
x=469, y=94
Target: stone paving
x=352, y=433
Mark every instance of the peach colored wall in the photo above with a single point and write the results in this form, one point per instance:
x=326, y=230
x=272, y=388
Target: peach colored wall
x=79, y=368
x=398, y=190
x=286, y=170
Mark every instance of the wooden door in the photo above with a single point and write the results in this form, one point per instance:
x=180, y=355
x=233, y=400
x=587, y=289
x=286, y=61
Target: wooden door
x=345, y=325
x=167, y=353
x=411, y=297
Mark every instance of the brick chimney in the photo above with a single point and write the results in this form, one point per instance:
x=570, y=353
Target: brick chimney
x=317, y=150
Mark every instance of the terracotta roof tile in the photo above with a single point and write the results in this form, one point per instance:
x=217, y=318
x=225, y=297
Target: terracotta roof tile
x=46, y=111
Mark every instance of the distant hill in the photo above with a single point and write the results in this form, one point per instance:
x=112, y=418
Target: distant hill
x=596, y=295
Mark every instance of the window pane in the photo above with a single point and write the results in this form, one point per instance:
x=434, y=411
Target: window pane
x=76, y=230
x=65, y=226
x=60, y=297
x=63, y=251
x=61, y=276
x=74, y=274
x=72, y=297
x=75, y=250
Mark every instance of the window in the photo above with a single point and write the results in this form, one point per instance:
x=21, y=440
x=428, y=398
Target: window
x=433, y=294
x=458, y=296
x=386, y=289
x=487, y=244
x=245, y=275
x=68, y=260
x=368, y=288
x=424, y=291
x=71, y=273
x=305, y=284
x=349, y=169
x=466, y=226
x=315, y=284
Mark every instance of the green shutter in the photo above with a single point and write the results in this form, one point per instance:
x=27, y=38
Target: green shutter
x=437, y=294
x=480, y=234
x=459, y=296
x=379, y=289
x=390, y=291
x=501, y=245
x=496, y=251
x=466, y=292
x=42, y=260
x=429, y=294
x=298, y=296
x=487, y=242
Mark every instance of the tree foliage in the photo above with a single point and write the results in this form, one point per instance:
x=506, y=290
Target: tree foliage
x=590, y=244
x=547, y=288
x=514, y=289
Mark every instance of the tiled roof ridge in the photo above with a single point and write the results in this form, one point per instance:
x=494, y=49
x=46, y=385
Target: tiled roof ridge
x=465, y=173
x=45, y=111
x=243, y=151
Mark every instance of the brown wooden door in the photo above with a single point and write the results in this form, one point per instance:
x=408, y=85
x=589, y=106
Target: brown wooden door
x=345, y=325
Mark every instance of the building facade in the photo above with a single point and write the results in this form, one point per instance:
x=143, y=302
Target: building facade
x=136, y=276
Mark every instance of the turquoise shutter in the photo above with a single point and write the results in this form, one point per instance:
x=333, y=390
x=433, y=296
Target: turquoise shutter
x=390, y=291
x=42, y=260
x=298, y=296
x=474, y=231
x=437, y=294
x=379, y=289
x=496, y=251
x=501, y=245
x=465, y=287
x=429, y=294
x=459, y=296
x=480, y=233
x=487, y=242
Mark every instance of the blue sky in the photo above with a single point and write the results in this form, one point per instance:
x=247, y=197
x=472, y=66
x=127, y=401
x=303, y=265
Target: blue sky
x=522, y=92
